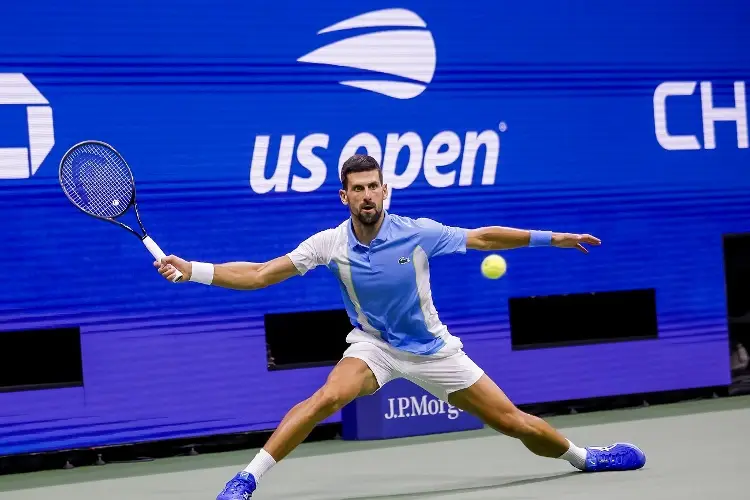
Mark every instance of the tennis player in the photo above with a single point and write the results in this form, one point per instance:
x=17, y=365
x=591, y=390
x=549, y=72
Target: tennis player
x=381, y=260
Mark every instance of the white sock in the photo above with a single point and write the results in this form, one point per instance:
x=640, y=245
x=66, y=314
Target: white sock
x=260, y=464
x=576, y=456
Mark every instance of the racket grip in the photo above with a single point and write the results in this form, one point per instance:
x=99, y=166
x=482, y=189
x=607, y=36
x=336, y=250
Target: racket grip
x=158, y=255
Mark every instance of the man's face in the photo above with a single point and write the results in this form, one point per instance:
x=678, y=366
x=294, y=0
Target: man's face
x=364, y=195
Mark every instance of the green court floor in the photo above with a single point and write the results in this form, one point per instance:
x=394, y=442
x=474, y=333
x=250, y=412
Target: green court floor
x=695, y=450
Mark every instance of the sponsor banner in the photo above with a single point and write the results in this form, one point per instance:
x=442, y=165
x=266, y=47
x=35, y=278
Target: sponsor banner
x=401, y=409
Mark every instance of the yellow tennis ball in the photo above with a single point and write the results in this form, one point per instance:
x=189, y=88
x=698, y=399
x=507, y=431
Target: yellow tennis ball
x=493, y=266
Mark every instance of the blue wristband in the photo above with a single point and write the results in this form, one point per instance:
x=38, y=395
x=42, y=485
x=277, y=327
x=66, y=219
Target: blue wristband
x=540, y=238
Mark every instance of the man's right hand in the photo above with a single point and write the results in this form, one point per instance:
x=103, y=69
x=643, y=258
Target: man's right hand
x=168, y=264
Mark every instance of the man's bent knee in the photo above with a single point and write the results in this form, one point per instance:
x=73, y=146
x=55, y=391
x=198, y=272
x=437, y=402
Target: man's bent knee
x=350, y=379
x=328, y=400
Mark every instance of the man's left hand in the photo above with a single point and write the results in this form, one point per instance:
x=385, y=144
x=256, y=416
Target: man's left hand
x=568, y=240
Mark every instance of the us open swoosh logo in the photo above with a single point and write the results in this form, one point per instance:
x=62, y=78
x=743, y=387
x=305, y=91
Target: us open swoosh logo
x=406, y=53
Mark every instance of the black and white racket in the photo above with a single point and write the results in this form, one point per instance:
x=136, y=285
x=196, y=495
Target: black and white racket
x=97, y=180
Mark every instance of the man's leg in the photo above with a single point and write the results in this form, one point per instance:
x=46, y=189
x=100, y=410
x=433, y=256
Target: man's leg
x=485, y=400
x=350, y=379
x=489, y=403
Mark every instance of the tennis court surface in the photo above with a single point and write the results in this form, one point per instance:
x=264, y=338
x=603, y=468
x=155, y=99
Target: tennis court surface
x=695, y=450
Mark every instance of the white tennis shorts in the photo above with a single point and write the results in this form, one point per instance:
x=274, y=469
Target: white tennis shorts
x=440, y=375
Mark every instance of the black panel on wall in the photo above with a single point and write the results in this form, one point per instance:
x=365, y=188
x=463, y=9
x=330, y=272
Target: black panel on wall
x=306, y=339
x=582, y=318
x=737, y=276
x=40, y=359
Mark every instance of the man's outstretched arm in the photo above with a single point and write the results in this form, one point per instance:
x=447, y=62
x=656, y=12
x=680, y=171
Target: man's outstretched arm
x=234, y=275
x=505, y=238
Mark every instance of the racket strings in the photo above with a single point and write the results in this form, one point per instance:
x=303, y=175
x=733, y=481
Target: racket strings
x=98, y=181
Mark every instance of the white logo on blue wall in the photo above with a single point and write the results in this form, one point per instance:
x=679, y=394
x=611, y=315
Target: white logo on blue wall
x=407, y=53
x=407, y=407
x=446, y=159
x=22, y=162
x=675, y=92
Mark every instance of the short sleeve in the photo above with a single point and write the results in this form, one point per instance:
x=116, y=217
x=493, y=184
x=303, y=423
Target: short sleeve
x=439, y=239
x=314, y=251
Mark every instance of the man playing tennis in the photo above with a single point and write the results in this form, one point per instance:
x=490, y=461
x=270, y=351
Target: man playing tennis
x=396, y=330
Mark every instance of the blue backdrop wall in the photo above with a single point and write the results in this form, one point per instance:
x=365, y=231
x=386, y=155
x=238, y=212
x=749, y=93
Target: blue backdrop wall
x=586, y=117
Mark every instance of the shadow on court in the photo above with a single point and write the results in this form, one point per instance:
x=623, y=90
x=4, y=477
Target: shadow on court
x=484, y=485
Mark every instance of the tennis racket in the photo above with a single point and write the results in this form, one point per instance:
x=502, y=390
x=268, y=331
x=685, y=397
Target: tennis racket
x=97, y=180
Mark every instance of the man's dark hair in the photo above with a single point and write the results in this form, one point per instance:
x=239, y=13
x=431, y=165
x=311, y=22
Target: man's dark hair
x=359, y=163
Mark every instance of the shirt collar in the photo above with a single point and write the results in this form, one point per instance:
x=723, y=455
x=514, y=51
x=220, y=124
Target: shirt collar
x=383, y=233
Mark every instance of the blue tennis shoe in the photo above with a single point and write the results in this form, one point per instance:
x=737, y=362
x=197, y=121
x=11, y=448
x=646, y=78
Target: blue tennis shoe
x=617, y=457
x=240, y=487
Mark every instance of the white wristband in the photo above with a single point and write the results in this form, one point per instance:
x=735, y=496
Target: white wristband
x=203, y=272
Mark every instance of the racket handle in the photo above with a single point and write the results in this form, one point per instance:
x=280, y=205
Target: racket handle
x=158, y=255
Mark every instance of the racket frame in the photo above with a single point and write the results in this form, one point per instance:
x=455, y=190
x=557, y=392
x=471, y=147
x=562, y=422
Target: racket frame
x=133, y=202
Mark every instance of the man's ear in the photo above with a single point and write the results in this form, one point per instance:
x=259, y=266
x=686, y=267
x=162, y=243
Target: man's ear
x=342, y=195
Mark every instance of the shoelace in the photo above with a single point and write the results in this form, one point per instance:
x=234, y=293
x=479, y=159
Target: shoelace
x=235, y=486
x=610, y=457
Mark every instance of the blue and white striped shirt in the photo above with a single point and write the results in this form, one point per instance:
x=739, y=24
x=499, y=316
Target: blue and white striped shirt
x=386, y=285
